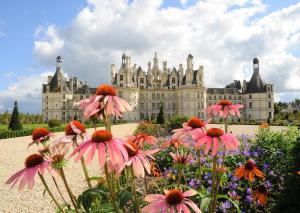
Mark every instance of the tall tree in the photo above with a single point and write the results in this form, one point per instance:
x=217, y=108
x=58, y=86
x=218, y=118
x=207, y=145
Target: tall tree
x=160, y=117
x=15, y=123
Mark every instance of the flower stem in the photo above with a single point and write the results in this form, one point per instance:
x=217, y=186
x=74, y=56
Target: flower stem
x=146, y=184
x=200, y=169
x=213, y=187
x=49, y=192
x=106, y=122
x=133, y=185
x=85, y=171
x=253, y=201
x=112, y=193
x=179, y=178
x=63, y=176
x=61, y=195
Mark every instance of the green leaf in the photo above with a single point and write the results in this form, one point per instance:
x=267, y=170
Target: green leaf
x=205, y=203
x=235, y=204
x=123, y=197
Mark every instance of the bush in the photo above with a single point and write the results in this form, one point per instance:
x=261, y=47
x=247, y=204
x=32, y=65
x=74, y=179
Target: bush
x=151, y=129
x=15, y=123
x=175, y=122
x=54, y=123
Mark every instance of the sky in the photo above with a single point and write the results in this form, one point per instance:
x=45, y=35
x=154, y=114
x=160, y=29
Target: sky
x=222, y=35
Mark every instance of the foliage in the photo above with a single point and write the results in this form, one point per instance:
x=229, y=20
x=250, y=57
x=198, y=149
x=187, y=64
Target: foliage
x=160, y=117
x=289, y=198
x=175, y=122
x=15, y=123
x=54, y=123
x=150, y=128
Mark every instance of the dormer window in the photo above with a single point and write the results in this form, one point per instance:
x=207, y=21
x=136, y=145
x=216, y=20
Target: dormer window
x=141, y=80
x=173, y=81
x=121, y=77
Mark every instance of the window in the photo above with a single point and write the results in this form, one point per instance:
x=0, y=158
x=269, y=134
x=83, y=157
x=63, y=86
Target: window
x=230, y=97
x=153, y=96
x=153, y=106
x=220, y=97
x=250, y=105
x=142, y=105
x=158, y=96
x=173, y=80
x=141, y=80
x=158, y=105
x=270, y=115
x=142, y=116
x=121, y=85
x=121, y=77
x=141, y=87
x=173, y=106
x=173, y=87
x=250, y=96
x=269, y=95
x=215, y=97
x=270, y=104
x=225, y=97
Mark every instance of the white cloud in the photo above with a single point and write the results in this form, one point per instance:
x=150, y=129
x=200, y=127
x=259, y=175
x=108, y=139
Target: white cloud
x=223, y=35
x=184, y=2
x=27, y=90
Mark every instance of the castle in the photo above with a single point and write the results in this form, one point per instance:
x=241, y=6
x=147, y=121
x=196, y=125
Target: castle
x=180, y=91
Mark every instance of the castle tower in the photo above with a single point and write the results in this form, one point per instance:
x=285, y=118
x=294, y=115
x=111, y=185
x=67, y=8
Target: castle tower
x=189, y=69
x=113, y=73
x=59, y=64
x=189, y=62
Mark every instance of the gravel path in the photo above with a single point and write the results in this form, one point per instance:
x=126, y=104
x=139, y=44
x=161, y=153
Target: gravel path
x=13, y=153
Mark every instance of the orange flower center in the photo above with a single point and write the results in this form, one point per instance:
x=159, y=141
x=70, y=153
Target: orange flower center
x=174, y=197
x=134, y=151
x=69, y=130
x=105, y=89
x=101, y=136
x=33, y=160
x=195, y=122
x=249, y=165
x=224, y=103
x=262, y=189
x=39, y=132
x=215, y=132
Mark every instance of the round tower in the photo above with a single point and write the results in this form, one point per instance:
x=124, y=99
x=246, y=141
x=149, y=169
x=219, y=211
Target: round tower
x=59, y=63
x=256, y=64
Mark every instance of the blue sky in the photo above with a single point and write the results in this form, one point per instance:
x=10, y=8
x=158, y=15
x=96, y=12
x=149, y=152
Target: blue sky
x=20, y=19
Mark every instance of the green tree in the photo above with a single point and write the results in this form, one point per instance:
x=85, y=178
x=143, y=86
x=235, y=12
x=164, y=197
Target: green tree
x=15, y=123
x=160, y=117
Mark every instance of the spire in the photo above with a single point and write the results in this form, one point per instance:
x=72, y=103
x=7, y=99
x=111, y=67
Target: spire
x=155, y=60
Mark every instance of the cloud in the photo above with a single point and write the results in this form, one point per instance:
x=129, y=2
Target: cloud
x=27, y=90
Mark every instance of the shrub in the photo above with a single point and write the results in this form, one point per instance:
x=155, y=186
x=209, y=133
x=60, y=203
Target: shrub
x=54, y=123
x=151, y=129
x=175, y=122
x=160, y=117
x=15, y=123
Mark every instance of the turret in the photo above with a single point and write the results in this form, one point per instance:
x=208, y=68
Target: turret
x=256, y=65
x=189, y=62
x=113, y=73
x=59, y=64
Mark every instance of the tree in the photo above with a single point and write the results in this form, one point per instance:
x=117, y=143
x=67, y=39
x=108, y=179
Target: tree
x=160, y=117
x=147, y=117
x=15, y=123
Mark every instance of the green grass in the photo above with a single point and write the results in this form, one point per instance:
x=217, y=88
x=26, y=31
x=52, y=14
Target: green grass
x=28, y=126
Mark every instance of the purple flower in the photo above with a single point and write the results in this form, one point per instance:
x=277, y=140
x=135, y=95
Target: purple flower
x=234, y=185
x=209, y=182
x=226, y=205
x=249, y=198
x=248, y=191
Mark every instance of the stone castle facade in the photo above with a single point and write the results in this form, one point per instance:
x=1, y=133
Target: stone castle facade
x=181, y=91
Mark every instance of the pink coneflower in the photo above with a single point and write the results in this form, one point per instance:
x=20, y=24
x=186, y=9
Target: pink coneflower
x=181, y=158
x=103, y=141
x=172, y=201
x=211, y=139
x=40, y=135
x=35, y=163
x=104, y=102
x=141, y=138
x=193, y=123
x=224, y=108
x=75, y=128
x=176, y=143
x=138, y=159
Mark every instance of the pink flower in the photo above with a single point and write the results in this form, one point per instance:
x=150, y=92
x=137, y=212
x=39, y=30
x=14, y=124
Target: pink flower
x=176, y=143
x=141, y=138
x=138, y=159
x=224, y=108
x=104, y=102
x=40, y=135
x=181, y=158
x=34, y=163
x=103, y=142
x=172, y=201
x=188, y=127
x=72, y=130
x=211, y=139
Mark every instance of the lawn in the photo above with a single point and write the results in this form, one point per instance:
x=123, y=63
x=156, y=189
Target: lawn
x=26, y=126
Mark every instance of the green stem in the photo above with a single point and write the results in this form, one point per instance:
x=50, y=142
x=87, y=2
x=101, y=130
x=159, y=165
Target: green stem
x=179, y=178
x=133, y=185
x=113, y=198
x=200, y=169
x=213, y=188
x=253, y=201
x=106, y=122
x=85, y=171
x=146, y=184
x=49, y=192
x=61, y=195
x=63, y=176
x=226, y=124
